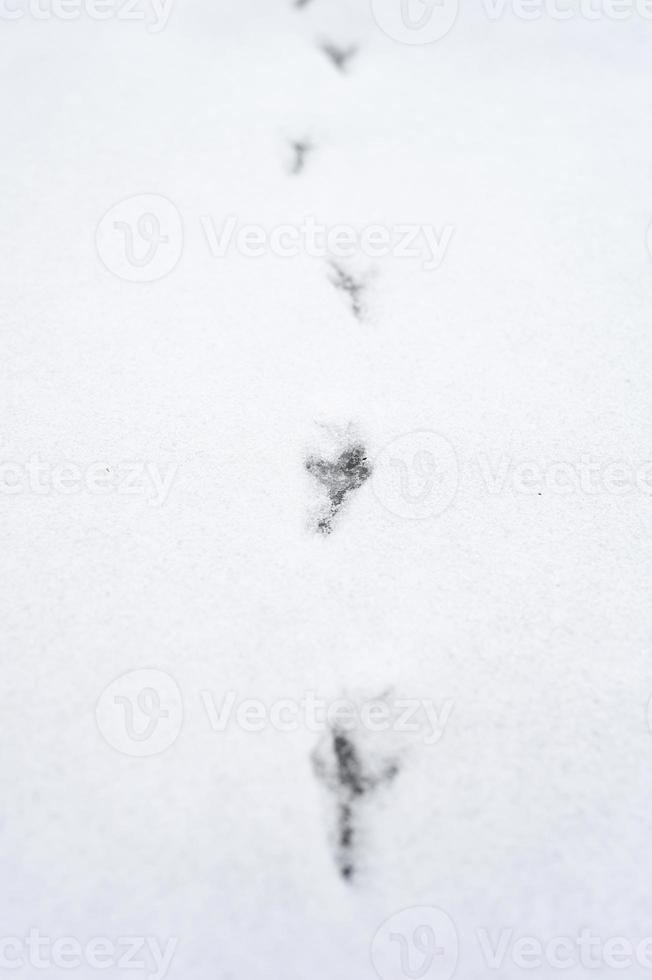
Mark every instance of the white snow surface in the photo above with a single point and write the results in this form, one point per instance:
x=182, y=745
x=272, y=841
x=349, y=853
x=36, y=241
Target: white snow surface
x=532, y=613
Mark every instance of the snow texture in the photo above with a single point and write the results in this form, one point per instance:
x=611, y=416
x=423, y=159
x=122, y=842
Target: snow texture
x=529, y=611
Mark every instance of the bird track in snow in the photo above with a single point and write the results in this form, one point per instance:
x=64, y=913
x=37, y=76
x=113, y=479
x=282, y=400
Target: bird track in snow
x=301, y=149
x=352, y=776
x=339, y=56
x=347, y=283
x=339, y=477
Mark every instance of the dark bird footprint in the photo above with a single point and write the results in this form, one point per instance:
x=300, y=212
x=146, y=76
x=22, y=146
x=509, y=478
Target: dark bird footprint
x=339, y=477
x=300, y=149
x=338, y=764
x=346, y=283
x=340, y=57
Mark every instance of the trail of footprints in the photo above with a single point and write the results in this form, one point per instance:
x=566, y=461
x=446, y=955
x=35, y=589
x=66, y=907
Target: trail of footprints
x=352, y=770
x=301, y=149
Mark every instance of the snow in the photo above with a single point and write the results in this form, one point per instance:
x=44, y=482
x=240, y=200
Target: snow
x=528, y=611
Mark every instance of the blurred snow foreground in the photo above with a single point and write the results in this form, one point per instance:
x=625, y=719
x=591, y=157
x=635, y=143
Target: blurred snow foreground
x=475, y=436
